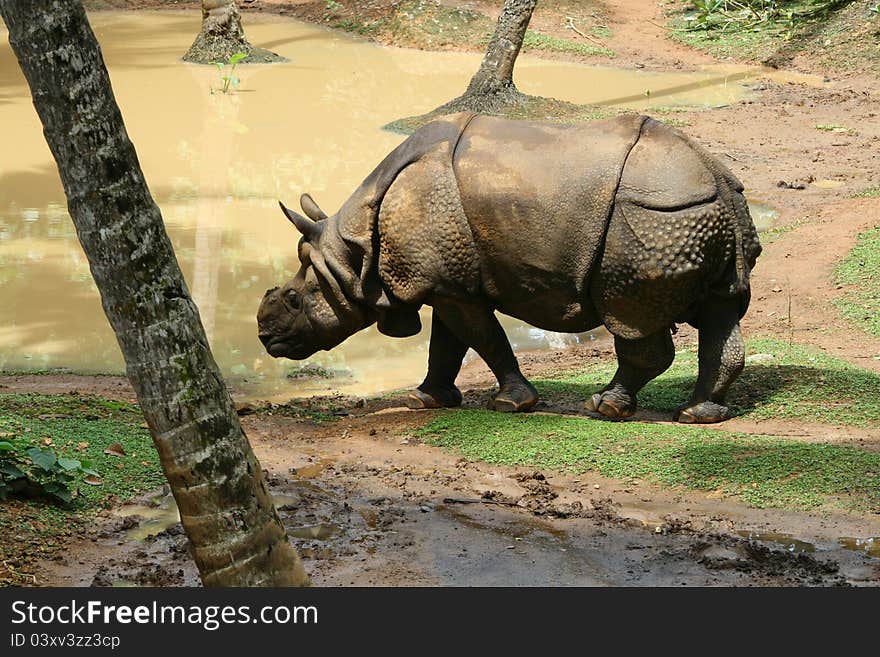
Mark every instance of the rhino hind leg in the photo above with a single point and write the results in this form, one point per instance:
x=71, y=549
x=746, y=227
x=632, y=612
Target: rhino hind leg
x=722, y=357
x=445, y=354
x=475, y=325
x=638, y=361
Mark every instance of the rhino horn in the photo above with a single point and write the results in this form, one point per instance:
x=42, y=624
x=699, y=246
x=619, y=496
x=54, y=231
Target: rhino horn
x=310, y=229
x=311, y=208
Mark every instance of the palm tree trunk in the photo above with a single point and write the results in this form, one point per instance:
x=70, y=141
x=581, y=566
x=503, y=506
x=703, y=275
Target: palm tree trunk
x=222, y=35
x=227, y=513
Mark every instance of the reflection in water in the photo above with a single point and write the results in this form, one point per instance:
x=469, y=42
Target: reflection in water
x=217, y=165
x=788, y=542
x=870, y=545
x=154, y=518
x=160, y=513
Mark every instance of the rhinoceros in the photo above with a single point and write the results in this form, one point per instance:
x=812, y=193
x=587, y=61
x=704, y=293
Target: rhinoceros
x=623, y=222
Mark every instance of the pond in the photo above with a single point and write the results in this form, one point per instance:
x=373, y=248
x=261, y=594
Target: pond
x=217, y=164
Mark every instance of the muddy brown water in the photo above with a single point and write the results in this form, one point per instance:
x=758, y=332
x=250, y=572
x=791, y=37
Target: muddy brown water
x=217, y=164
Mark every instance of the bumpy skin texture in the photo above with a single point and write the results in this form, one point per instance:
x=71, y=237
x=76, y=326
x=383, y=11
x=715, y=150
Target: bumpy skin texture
x=624, y=222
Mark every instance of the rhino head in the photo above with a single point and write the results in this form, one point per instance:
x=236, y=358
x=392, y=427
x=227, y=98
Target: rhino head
x=312, y=311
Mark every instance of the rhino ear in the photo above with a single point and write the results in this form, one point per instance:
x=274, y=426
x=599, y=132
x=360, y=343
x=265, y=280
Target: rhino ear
x=310, y=230
x=311, y=208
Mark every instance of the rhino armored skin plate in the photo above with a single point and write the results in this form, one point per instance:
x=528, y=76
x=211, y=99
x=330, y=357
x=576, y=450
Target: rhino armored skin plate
x=624, y=222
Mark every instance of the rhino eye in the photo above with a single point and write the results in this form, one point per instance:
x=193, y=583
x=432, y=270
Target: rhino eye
x=293, y=299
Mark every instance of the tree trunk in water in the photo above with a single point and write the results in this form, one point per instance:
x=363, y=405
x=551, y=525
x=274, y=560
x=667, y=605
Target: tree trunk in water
x=491, y=90
x=236, y=535
x=496, y=71
x=222, y=36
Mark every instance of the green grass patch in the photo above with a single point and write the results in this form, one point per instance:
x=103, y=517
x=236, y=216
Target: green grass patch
x=672, y=109
x=82, y=427
x=871, y=192
x=79, y=427
x=315, y=371
x=841, y=34
x=537, y=41
x=416, y=23
x=354, y=26
x=860, y=272
x=753, y=44
x=775, y=232
x=675, y=122
x=780, y=381
x=763, y=472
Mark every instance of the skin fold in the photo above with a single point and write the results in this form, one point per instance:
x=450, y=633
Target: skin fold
x=624, y=223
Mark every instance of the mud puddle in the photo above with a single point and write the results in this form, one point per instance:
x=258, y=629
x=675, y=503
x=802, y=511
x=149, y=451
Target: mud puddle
x=786, y=541
x=763, y=214
x=868, y=546
x=356, y=524
x=217, y=163
x=159, y=513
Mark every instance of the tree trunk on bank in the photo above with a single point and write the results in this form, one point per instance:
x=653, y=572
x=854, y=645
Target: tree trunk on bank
x=496, y=71
x=227, y=513
x=222, y=36
x=491, y=90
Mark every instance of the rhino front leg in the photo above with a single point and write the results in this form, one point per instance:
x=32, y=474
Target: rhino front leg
x=445, y=354
x=475, y=325
x=638, y=361
x=722, y=357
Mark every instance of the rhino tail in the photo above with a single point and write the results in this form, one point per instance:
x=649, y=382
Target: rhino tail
x=747, y=247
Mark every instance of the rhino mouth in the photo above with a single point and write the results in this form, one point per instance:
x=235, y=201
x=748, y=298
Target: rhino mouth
x=274, y=345
x=280, y=348
x=277, y=349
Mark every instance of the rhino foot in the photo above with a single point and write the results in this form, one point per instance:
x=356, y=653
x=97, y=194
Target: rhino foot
x=706, y=412
x=609, y=405
x=425, y=397
x=514, y=399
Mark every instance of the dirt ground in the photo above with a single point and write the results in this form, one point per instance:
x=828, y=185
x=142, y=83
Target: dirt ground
x=368, y=504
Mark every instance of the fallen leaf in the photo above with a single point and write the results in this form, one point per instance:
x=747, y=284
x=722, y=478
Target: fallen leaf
x=81, y=445
x=92, y=480
x=115, y=449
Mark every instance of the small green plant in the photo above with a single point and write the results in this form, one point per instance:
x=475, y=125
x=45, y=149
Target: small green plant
x=835, y=127
x=332, y=5
x=748, y=15
x=229, y=80
x=31, y=471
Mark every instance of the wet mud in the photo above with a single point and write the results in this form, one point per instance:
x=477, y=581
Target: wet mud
x=377, y=508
